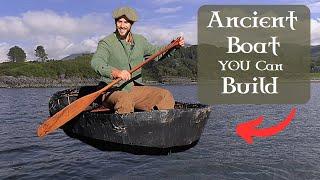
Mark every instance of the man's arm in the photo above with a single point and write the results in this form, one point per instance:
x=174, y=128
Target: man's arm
x=100, y=64
x=151, y=49
x=100, y=61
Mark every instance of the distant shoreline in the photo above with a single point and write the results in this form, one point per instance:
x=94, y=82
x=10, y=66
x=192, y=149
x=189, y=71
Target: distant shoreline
x=36, y=82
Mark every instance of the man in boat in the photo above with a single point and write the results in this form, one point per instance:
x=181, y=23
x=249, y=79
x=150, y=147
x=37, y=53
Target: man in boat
x=119, y=52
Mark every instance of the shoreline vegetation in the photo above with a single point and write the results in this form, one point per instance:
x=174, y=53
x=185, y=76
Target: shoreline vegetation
x=38, y=82
x=181, y=68
x=178, y=69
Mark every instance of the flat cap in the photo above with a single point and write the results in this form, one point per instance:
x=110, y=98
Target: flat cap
x=129, y=12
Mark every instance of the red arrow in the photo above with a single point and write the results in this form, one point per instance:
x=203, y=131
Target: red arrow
x=248, y=130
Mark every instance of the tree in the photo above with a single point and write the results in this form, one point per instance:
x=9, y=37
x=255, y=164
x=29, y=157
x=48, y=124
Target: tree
x=16, y=54
x=41, y=53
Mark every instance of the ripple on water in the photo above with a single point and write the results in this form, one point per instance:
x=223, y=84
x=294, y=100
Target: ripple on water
x=220, y=153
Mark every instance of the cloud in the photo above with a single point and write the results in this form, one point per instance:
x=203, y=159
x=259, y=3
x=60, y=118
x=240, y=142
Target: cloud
x=48, y=22
x=13, y=27
x=165, y=1
x=4, y=49
x=314, y=7
x=36, y=23
x=315, y=33
x=163, y=35
x=60, y=46
x=168, y=10
x=61, y=35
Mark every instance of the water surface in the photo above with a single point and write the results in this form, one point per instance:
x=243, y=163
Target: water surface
x=220, y=153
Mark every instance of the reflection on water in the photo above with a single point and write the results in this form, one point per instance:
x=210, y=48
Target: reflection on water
x=138, y=150
x=220, y=153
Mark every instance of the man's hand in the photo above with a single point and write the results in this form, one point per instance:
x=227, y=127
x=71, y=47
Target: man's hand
x=181, y=41
x=123, y=74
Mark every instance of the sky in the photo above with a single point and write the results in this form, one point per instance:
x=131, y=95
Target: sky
x=66, y=27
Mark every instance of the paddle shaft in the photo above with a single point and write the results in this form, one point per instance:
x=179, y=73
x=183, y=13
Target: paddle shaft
x=78, y=106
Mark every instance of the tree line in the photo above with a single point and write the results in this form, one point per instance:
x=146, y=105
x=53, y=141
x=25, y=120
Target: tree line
x=17, y=54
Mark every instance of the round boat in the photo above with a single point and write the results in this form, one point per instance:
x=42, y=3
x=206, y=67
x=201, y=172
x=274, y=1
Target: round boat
x=179, y=127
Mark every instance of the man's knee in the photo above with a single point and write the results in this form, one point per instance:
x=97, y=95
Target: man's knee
x=124, y=105
x=167, y=100
x=166, y=95
x=120, y=101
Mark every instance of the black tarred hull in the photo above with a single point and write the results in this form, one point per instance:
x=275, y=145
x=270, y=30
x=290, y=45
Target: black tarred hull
x=180, y=127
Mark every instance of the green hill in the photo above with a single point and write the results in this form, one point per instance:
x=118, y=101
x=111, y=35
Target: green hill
x=79, y=67
x=182, y=65
x=315, y=53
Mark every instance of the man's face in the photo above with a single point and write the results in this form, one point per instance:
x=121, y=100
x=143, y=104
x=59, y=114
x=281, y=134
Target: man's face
x=123, y=27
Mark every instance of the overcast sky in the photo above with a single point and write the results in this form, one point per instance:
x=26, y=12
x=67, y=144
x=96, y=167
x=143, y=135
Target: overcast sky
x=65, y=27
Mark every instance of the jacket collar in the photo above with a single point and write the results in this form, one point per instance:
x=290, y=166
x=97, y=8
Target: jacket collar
x=131, y=37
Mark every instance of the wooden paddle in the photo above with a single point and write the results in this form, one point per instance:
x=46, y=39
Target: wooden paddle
x=76, y=107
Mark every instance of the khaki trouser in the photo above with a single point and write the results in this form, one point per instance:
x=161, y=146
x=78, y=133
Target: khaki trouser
x=140, y=97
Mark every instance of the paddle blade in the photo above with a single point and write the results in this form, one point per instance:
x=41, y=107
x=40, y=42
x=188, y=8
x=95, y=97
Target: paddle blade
x=66, y=114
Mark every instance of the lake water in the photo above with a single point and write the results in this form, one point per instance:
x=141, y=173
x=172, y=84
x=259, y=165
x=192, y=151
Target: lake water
x=220, y=153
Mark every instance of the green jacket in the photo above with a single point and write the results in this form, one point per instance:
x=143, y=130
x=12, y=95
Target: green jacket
x=115, y=53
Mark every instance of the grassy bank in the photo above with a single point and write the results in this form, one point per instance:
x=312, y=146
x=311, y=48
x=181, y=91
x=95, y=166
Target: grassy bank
x=79, y=67
x=182, y=64
x=181, y=67
x=315, y=76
